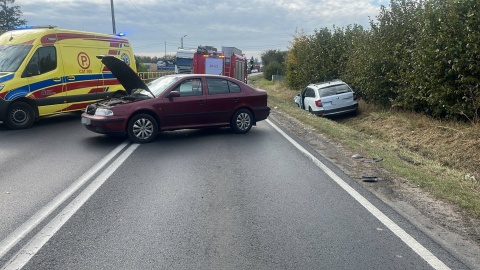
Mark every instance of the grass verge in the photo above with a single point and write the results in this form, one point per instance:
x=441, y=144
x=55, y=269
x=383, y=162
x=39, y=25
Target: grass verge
x=440, y=157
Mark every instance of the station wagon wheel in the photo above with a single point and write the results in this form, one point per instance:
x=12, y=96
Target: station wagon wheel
x=20, y=115
x=242, y=121
x=142, y=128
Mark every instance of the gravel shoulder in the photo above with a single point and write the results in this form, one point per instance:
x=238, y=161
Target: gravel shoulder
x=444, y=222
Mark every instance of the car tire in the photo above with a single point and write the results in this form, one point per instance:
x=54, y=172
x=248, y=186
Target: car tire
x=142, y=128
x=310, y=110
x=242, y=121
x=20, y=115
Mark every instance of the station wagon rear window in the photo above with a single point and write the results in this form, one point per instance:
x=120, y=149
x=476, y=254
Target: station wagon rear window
x=334, y=90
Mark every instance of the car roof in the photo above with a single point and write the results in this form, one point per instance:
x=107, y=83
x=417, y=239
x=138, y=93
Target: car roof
x=326, y=84
x=198, y=75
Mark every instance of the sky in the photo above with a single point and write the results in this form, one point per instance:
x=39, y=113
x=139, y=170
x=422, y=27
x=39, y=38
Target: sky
x=157, y=27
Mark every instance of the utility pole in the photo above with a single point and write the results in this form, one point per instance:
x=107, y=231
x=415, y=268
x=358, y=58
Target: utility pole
x=181, y=41
x=113, y=18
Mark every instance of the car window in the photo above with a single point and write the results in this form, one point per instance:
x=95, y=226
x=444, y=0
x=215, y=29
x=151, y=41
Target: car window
x=190, y=87
x=221, y=86
x=342, y=88
x=45, y=58
x=334, y=90
x=310, y=93
x=234, y=88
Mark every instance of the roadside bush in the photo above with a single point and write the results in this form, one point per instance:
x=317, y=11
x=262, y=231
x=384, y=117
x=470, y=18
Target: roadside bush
x=273, y=68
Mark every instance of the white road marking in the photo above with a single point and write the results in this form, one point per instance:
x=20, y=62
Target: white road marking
x=22, y=257
x=17, y=235
x=391, y=225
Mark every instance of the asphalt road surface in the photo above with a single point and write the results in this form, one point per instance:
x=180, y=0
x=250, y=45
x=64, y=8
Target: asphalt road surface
x=193, y=199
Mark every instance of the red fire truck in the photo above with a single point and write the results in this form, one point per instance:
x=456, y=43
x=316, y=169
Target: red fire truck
x=229, y=62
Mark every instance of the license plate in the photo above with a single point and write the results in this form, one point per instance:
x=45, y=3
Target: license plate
x=86, y=121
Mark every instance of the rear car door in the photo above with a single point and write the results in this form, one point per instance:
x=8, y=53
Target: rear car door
x=223, y=97
x=309, y=100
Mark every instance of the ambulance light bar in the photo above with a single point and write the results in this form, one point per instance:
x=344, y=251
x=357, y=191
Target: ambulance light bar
x=34, y=27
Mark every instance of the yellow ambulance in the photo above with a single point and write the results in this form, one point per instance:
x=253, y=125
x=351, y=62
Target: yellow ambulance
x=46, y=71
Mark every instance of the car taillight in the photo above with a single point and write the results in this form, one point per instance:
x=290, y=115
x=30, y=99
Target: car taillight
x=318, y=103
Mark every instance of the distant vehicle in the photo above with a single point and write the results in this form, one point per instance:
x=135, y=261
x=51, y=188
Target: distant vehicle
x=46, y=71
x=184, y=61
x=165, y=65
x=328, y=98
x=175, y=102
x=254, y=70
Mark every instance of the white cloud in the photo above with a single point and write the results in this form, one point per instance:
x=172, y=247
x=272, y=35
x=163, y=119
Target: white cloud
x=251, y=25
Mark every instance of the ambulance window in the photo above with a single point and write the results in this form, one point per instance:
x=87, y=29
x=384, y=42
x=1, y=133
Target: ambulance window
x=45, y=58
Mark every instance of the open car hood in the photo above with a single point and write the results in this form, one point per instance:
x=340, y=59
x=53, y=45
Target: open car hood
x=124, y=74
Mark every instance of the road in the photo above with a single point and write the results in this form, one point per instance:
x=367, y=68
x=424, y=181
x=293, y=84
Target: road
x=193, y=199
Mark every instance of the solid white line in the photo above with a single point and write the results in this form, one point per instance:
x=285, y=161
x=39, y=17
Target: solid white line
x=33, y=246
x=19, y=233
x=391, y=225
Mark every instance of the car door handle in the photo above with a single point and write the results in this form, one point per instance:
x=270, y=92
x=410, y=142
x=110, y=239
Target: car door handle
x=236, y=99
x=201, y=102
x=71, y=78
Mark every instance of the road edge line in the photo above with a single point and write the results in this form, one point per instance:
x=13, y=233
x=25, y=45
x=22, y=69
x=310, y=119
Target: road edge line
x=391, y=225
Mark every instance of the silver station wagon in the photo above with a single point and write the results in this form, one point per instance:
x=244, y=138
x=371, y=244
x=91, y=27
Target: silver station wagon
x=328, y=98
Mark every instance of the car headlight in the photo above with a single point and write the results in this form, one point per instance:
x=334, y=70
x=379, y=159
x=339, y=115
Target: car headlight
x=103, y=112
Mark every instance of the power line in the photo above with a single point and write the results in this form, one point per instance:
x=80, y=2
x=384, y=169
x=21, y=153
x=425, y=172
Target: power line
x=149, y=21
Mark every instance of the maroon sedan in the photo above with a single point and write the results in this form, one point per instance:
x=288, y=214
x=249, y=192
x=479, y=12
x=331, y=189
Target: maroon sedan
x=174, y=102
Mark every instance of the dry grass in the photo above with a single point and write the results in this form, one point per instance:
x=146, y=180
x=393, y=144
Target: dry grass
x=441, y=157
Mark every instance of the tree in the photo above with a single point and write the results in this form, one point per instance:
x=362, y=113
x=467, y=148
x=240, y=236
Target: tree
x=273, y=63
x=10, y=16
x=271, y=56
x=251, y=64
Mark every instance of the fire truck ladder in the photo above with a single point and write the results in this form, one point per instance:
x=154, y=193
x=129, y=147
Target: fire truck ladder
x=227, y=67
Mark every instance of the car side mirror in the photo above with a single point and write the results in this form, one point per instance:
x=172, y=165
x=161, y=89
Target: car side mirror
x=174, y=94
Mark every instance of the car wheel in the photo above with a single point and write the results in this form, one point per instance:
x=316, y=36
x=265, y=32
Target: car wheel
x=20, y=115
x=142, y=128
x=242, y=121
x=310, y=110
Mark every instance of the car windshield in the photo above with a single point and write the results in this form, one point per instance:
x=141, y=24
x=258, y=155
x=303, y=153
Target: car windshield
x=184, y=61
x=158, y=86
x=11, y=56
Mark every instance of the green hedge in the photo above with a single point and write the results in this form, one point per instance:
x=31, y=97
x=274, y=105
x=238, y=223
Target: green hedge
x=417, y=55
